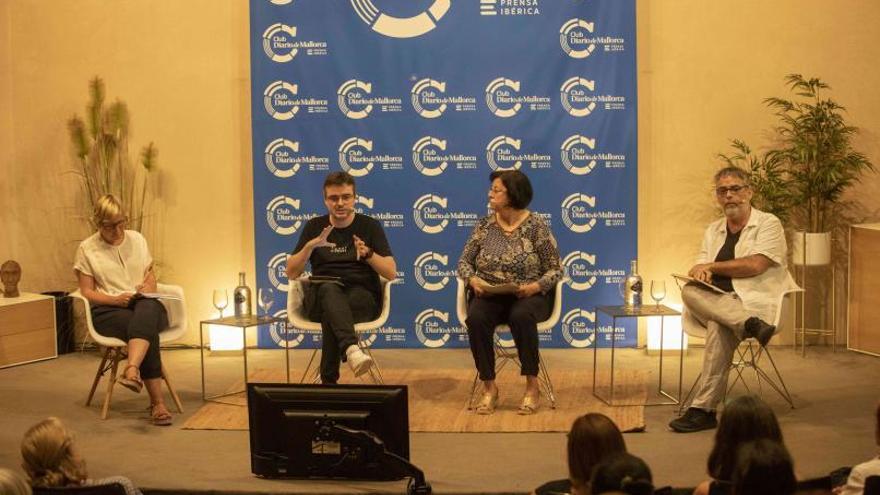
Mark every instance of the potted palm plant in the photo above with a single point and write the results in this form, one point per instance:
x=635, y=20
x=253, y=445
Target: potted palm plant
x=815, y=153
x=810, y=165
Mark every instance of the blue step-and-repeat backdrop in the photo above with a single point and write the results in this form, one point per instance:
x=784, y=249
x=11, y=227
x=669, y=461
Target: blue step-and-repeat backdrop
x=421, y=100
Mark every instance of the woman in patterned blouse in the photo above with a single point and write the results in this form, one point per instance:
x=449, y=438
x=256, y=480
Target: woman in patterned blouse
x=512, y=247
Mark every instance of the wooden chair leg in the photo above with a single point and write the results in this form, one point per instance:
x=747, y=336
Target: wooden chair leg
x=171, y=390
x=98, y=375
x=117, y=356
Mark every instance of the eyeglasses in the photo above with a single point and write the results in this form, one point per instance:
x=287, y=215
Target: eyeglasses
x=113, y=225
x=497, y=191
x=345, y=198
x=721, y=191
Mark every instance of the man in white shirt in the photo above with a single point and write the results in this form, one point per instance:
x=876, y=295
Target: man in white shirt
x=858, y=477
x=744, y=255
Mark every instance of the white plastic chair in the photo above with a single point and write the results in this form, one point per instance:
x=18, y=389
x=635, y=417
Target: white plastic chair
x=299, y=320
x=505, y=348
x=749, y=352
x=115, y=349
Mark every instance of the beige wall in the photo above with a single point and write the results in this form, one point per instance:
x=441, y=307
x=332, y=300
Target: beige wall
x=183, y=69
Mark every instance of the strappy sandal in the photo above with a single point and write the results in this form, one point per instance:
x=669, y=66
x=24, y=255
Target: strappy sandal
x=530, y=404
x=487, y=404
x=134, y=384
x=160, y=418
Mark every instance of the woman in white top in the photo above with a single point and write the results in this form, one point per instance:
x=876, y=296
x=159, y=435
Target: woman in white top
x=113, y=265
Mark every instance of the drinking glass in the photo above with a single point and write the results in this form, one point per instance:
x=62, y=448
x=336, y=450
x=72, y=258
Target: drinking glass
x=658, y=291
x=221, y=300
x=265, y=298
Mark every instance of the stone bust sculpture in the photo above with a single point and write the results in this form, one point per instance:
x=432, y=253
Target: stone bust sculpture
x=10, y=274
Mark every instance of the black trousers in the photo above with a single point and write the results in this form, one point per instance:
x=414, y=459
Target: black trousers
x=338, y=309
x=522, y=315
x=143, y=320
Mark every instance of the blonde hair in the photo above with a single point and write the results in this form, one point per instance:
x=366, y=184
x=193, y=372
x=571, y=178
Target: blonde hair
x=49, y=456
x=12, y=483
x=107, y=207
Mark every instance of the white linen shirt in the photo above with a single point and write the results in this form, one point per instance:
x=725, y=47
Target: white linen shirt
x=855, y=484
x=116, y=269
x=763, y=234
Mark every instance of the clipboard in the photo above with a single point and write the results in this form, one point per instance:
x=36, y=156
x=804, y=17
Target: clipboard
x=688, y=279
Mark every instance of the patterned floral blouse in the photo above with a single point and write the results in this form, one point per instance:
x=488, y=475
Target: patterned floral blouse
x=528, y=254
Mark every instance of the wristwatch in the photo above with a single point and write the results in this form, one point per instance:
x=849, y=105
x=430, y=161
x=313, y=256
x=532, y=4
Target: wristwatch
x=369, y=253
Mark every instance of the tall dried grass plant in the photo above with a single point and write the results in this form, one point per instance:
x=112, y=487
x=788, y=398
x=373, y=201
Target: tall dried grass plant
x=103, y=164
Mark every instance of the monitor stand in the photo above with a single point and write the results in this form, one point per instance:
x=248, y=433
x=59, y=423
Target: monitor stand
x=374, y=448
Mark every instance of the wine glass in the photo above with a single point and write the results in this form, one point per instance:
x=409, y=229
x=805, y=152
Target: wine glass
x=265, y=298
x=221, y=300
x=658, y=291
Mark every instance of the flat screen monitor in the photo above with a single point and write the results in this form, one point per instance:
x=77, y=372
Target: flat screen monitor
x=327, y=431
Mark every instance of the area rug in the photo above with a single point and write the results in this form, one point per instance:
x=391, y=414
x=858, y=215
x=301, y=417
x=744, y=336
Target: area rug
x=438, y=402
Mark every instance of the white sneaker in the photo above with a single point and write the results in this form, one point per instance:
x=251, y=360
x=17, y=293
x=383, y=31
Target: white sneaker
x=359, y=361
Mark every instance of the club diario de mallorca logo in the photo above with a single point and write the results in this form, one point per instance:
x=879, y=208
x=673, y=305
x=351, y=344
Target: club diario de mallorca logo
x=283, y=217
x=576, y=212
x=505, y=153
x=429, y=213
x=433, y=329
x=504, y=100
x=579, y=214
x=432, y=271
x=574, y=95
x=283, y=160
x=281, y=45
x=429, y=99
x=278, y=42
x=401, y=27
x=432, y=217
x=577, y=267
x=577, y=328
x=282, y=102
x=355, y=102
x=574, y=37
x=356, y=157
x=431, y=158
x=577, y=156
x=276, y=269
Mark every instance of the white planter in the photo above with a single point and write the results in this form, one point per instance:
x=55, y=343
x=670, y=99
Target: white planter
x=818, y=251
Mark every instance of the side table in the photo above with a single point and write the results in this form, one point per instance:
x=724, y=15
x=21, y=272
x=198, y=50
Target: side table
x=27, y=329
x=242, y=322
x=642, y=311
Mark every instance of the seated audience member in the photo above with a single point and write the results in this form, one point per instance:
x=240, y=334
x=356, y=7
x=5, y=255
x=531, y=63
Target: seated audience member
x=855, y=484
x=623, y=474
x=744, y=419
x=763, y=467
x=51, y=460
x=592, y=439
x=12, y=483
x=112, y=266
x=511, y=245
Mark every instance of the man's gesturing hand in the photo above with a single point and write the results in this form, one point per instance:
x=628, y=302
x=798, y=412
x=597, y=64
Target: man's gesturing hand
x=360, y=248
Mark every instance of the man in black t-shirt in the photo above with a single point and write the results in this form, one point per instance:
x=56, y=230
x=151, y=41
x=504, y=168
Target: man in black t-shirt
x=743, y=255
x=352, y=247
